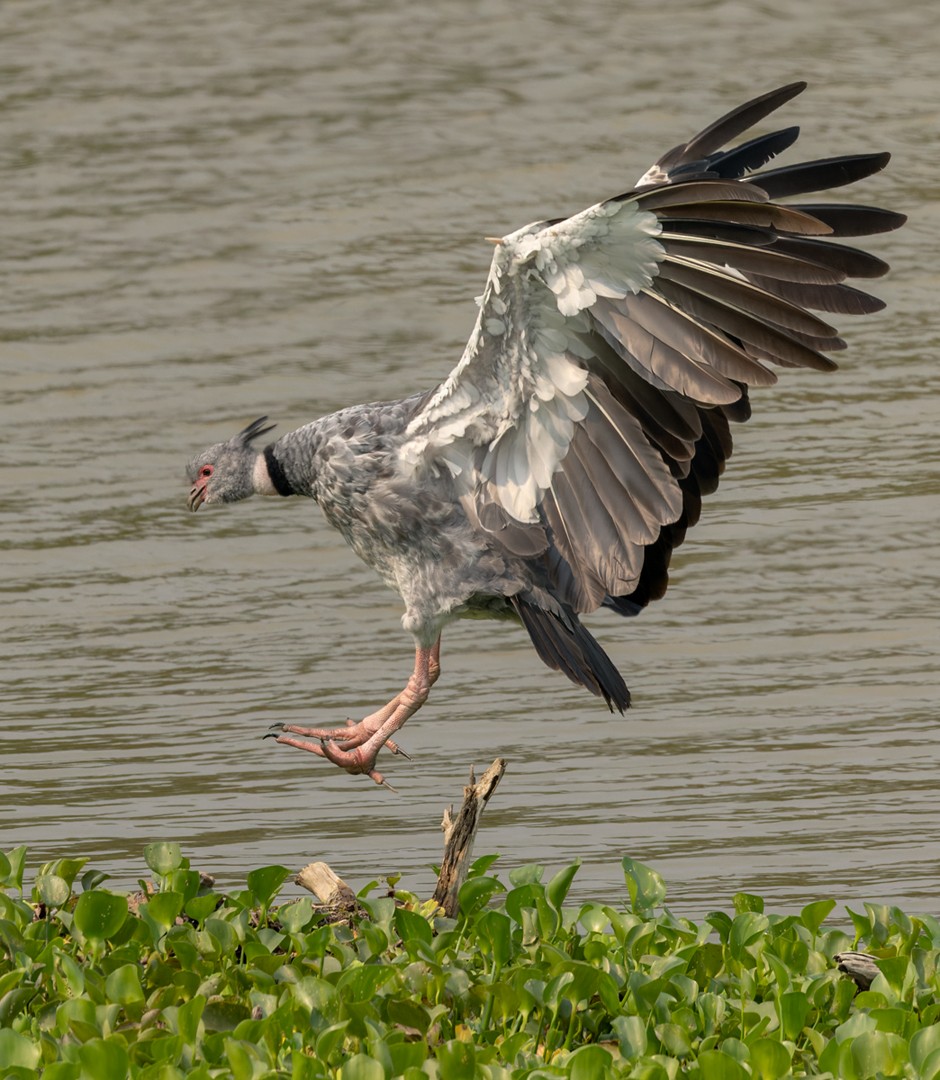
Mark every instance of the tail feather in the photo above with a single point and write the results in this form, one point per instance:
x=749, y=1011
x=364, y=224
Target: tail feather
x=564, y=645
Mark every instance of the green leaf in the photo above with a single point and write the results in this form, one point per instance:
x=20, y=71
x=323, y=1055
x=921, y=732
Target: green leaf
x=103, y=1057
x=67, y=869
x=929, y=1068
x=219, y=1014
x=877, y=1054
x=331, y=1039
x=481, y=865
x=91, y=879
x=589, y=1063
x=530, y=874
x=164, y=908
x=770, y=1059
x=362, y=1067
x=746, y=928
x=52, y=890
x=593, y=918
x=722, y=923
x=793, y=1008
x=523, y=897
x=242, y=1058
x=16, y=1051
x=162, y=857
x=747, y=902
x=407, y=1055
x=476, y=893
x=815, y=914
x=706, y=962
x=557, y=889
x=200, y=907
x=70, y=981
x=313, y=993
x=295, y=916
x=555, y=989
x=123, y=985
x=360, y=983
x=646, y=888
x=15, y=1001
x=714, y=1065
x=494, y=932
x=631, y=1034
x=923, y=1044
x=675, y=1039
x=264, y=883
x=456, y=1060
x=857, y=1024
x=409, y=1014
x=14, y=861
x=895, y=970
x=412, y=927
x=861, y=923
x=183, y=1020
x=99, y=915
x=735, y=1048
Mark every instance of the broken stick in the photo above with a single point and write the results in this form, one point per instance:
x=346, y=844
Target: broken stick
x=459, y=833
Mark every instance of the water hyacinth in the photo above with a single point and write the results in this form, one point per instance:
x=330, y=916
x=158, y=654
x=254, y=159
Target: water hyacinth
x=182, y=981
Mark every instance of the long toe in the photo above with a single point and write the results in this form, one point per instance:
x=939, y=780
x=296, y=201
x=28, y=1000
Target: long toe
x=356, y=762
x=352, y=759
x=396, y=749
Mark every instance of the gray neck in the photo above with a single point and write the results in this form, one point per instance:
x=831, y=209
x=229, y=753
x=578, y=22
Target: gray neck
x=292, y=461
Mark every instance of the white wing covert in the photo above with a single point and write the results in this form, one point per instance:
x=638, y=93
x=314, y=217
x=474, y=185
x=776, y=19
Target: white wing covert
x=590, y=409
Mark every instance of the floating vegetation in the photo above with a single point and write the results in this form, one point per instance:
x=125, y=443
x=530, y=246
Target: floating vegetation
x=183, y=981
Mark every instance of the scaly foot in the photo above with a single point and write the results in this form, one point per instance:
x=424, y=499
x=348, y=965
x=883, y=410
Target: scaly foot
x=355, y=747
x=352, y=735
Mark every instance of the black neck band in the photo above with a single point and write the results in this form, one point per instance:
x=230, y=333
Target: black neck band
x=278, y=477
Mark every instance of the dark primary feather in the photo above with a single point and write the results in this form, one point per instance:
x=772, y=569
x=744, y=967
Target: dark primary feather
x=718, y=134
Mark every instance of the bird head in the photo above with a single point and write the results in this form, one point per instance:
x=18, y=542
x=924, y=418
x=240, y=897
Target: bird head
x=224, y=472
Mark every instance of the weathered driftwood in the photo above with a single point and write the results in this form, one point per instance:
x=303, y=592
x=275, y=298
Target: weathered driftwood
x=859, y=966
x=327, y=887
x=459, y=833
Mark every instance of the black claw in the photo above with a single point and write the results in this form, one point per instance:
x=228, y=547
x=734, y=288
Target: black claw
x=275, y=727
x=270, y=735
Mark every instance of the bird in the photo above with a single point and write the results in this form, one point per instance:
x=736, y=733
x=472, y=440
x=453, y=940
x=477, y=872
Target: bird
x=555, y=469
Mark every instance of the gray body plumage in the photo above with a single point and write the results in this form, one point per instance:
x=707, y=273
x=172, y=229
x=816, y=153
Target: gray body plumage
x=559, y=464
x=411, y=529
x=415, y=532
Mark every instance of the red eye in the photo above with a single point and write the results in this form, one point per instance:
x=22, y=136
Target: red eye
x=206, y=471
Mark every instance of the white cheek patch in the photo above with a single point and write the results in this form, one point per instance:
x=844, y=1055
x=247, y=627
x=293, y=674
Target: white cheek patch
x=261, y=478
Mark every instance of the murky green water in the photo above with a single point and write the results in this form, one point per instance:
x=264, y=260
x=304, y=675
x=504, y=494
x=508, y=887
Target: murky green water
x=216, y=210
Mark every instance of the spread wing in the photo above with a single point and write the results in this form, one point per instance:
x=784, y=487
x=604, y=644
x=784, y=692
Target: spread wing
x=589, y=411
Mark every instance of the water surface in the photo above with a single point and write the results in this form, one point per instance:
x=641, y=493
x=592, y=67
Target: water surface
x=214, y=211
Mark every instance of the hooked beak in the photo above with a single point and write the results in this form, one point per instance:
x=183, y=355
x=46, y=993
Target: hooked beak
x=197, y=496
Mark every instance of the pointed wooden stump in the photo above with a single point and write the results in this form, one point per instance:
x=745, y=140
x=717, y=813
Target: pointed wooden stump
x=327, y=886
x=338, y=899
x=459, y=834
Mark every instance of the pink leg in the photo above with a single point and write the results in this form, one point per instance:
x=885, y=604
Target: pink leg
x=355, y=748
